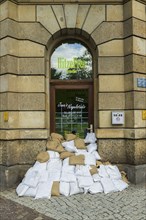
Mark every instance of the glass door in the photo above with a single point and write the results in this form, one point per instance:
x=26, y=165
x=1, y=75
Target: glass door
x=71, y=109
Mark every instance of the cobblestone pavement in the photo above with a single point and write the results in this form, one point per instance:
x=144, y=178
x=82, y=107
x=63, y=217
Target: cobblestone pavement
x=129, y=204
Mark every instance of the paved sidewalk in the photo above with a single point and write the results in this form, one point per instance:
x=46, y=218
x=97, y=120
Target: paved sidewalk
x=129, y=204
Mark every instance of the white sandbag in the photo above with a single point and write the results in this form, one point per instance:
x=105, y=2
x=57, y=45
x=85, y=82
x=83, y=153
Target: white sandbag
x=69, y=146
x=81, y=152
x=66, y=167
x=44, y=190
x=53, y=154
x=96, y=177
x=68, y=177
x=64, y=188
x=54, y=175
x=43, y=176
x=96, y=154
x=31, y=179
x=102, y=171
x=120, y=184
x=21, y=189
x=54, y=164
x=85, y=181
x=96, y=188
x=75, y=189
x=108, y=185
x=113, y=172
x=90, y=138
x=82, y=170
x=90, y=159
x=31, y=191
x=92, y=147
x=39, y=166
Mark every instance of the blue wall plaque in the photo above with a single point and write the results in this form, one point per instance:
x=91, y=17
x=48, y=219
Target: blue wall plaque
x=141, y=82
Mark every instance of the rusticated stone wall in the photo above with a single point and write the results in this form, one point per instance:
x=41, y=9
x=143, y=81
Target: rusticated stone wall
x=116, y=33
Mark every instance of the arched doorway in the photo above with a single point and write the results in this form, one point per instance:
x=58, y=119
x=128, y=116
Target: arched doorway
x=71, y=88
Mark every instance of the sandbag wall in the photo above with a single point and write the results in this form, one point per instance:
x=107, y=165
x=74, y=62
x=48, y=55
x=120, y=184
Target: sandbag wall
x=69, y=167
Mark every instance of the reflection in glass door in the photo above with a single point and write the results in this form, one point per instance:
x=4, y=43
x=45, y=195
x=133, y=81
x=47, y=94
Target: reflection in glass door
x=71, y=111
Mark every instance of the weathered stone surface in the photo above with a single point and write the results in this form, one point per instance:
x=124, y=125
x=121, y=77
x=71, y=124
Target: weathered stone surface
x=134, y=63
x=128, y=45
x=28, y=31
x=133, y=118
x=138, y=10
x=135, y=100
x=135, y=133
x=134, y=26
x=108, y=65
x=21, y=48
x=81, y=16
x=59, y=12
x=8, y=9
x=112, y=150
x=8, y=64
x=108, y=31
x=139, y=46
x=8, y=83
x=136, y=151
x=32, y=119
x=111, y=48
x=95, y=16
x=128, y=82
x=26, y=12
x=111, y=101
x=110, y=133
x=129, y=118
x=105, y=120
x=71, y=15
x=128, y=10
x=114, y=12
x=116, y=83
x=21, y=151
x=31, y=66
x=24, y=134
x=10, y=176
x=22, y=101
x=47, y=18
x=31, y=84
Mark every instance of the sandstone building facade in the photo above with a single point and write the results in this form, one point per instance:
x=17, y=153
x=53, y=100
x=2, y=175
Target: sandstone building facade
x=115, y=33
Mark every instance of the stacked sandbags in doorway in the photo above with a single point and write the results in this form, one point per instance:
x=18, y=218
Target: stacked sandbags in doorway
x=69, y=167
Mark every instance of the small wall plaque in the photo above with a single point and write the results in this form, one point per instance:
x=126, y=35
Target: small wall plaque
x=144, y=115
x=118, y=118
x=141, y=82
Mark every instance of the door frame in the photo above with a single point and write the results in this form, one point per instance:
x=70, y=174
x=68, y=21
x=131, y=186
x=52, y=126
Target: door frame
x=71, y=84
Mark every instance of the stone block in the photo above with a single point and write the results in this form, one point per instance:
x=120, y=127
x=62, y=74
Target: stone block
x=111, y=101
x=139, y=46
x=21, y=48
x=111, y=83
x=8, y=64
x=32, y=119
x=82, y=14
x=9, y=28
x=114, y=12
x=105, y=120
x=70, y=11
x=47, y=18
x=108, y=31
x=4, y=10
x=139, y=122
x=59, y=12
x=26, y=13
x=136, y=151
x=109, y=133
x=34, y=32
x=128, y=46
x=129, y=82
x=31, y=66
x=112, y=150
x=127, y=10
x=31, y=84
x=96, y=16
x=12, y=176
x=21, y=151
x=139, y=28
x=129, y=100
x=139, y=63
x=139, y=100
x=3, y=101
x=110, y=65
x=135, y=133
x=138, y=10
x=111, y=48
x=8, y=82
x=129, y=118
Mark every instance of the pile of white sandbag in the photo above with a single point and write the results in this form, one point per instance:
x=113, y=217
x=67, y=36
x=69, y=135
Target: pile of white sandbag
x=69, y=167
